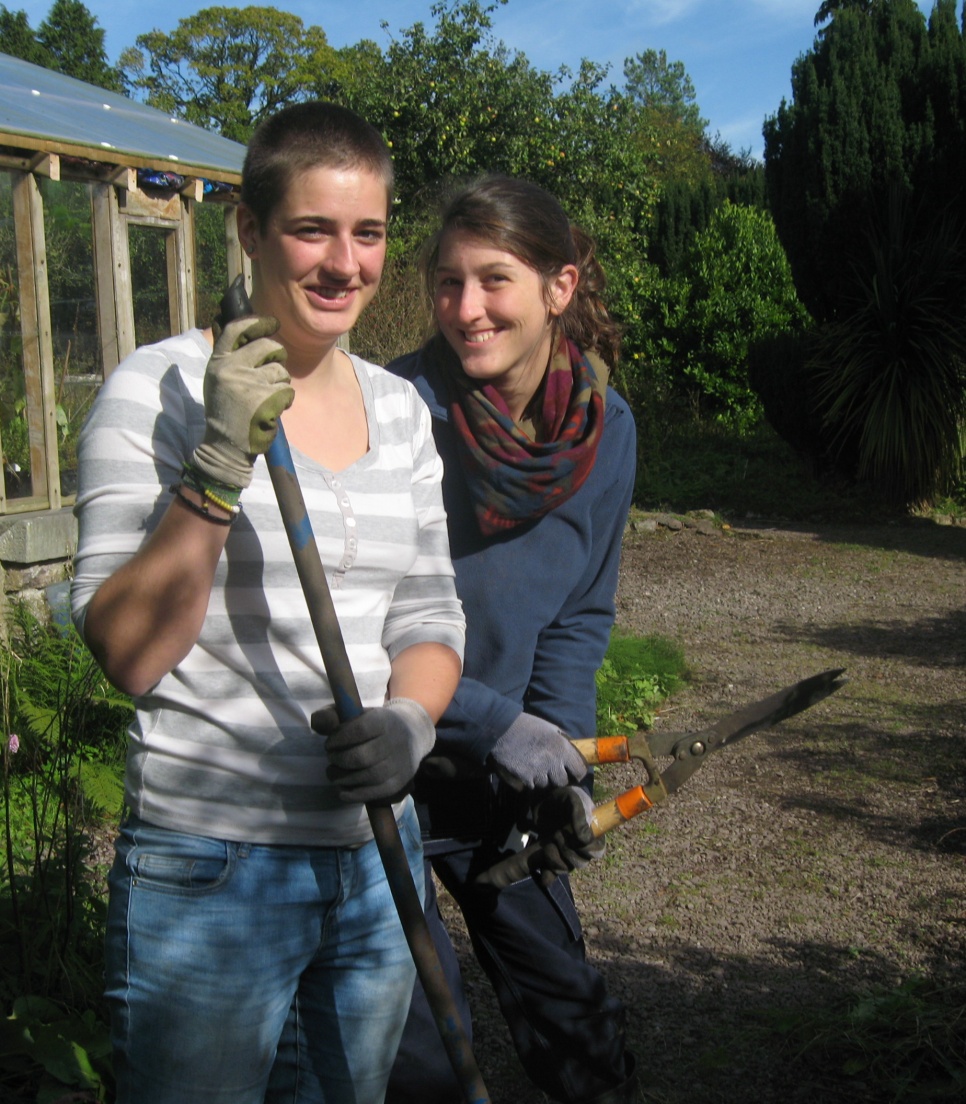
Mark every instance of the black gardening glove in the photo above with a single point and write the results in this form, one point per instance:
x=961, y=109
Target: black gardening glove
x=374, y=756
x=534, y=754
x=562, y=822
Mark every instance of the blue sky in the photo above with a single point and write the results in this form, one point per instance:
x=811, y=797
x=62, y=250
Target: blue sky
x=738, y=53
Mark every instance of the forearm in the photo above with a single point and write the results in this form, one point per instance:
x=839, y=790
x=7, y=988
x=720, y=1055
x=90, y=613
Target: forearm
x=427, y=673
x=145, y=618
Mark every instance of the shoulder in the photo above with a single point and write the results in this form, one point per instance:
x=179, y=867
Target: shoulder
x=619, y=419
x=420, y=369
x=185, y=354
x=164, y=378
x=393, y=397
x=382, y=380
x=407, y=366
x=189, y=348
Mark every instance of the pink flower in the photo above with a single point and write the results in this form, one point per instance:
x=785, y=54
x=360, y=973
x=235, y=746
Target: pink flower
x=13, y=743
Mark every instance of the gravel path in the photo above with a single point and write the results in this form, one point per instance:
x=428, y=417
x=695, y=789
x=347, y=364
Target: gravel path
x=807, y=862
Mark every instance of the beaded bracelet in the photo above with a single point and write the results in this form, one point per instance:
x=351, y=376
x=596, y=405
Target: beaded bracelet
x=219, y=493
x=202, y=509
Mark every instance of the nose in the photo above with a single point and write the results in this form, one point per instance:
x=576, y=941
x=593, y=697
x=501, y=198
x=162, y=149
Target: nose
x=470, y=302
x=340, y=258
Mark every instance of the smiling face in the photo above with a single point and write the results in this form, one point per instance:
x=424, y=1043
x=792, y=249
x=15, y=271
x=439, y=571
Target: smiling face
x=319, y=258
x=497, y=314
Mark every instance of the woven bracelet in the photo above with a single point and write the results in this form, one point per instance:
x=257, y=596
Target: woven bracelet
x=202, y=510
x=219, y=493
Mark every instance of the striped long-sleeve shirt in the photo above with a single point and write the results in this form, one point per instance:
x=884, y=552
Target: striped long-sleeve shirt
x=221, y=745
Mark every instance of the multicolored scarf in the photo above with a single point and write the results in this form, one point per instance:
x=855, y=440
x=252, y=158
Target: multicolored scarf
x=516, y=473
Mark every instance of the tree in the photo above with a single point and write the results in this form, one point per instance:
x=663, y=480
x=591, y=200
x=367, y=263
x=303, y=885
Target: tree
x=68, y=41
x=226, y=68
x=18, y=39
x=664, y=87
x=664, y=97
x=75, y=44
x=734, y=289
x=877, y=125
x=453, y=103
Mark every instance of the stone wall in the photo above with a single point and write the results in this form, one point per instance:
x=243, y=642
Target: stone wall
x=35, y=557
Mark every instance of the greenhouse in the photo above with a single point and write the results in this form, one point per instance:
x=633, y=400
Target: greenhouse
x=116, y=229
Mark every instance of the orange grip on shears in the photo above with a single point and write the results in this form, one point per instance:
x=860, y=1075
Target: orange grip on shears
x=612, y=749
x=633, y=802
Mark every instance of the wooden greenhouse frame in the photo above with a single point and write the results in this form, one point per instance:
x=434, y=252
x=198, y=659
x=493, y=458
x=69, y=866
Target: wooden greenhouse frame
x=55, y=127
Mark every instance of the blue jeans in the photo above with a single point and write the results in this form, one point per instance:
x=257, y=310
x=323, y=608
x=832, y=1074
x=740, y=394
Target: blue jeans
x=239, y=973
x=567, y=1029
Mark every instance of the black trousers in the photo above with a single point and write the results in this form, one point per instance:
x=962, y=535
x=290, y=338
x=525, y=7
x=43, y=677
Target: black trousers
x=567, y=1030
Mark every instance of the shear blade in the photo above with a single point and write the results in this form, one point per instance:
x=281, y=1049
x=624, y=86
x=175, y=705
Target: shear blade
x=691, y=751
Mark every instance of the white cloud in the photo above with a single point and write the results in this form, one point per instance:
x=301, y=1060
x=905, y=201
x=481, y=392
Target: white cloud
x=662, y=12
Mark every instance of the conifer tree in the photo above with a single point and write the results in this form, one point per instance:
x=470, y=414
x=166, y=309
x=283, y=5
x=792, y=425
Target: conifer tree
x=864, y=171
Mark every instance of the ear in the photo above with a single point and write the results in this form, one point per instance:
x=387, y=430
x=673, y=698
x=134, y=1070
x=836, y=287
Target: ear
x=561, y=289
x=247, y=228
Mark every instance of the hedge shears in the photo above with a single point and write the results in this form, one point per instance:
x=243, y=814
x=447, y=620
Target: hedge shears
x=687, y=752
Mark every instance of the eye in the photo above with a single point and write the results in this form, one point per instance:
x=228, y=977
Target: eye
x=371, y=234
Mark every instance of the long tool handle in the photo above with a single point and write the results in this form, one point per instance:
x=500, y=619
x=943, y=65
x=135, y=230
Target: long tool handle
x=385, y=831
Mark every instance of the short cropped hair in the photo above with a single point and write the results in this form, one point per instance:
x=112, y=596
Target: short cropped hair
x=305, y=136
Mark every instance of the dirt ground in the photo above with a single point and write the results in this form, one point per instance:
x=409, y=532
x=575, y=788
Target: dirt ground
x=806, y=863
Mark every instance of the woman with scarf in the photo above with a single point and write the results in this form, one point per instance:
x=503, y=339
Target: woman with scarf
x=539, y=464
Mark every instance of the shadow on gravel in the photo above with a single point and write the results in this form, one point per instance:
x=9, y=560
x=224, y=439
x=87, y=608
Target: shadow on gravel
x=918, y=537
x=931, y=641
x=711, y=1028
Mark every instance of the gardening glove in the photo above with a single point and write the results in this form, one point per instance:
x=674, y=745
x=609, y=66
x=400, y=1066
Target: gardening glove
x=534, y=754
x=246, y=389
x=562, y=821
x=374, y=756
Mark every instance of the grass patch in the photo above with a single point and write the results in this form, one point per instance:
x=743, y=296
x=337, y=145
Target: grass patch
x=638, y=674
x=904, y=1045
x=685, y=465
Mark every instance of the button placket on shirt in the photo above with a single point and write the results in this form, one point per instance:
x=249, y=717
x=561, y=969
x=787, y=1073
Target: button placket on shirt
x=351, y=543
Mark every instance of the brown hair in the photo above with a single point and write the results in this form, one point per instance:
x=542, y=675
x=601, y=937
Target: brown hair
x=526, y=220
x=307, y=136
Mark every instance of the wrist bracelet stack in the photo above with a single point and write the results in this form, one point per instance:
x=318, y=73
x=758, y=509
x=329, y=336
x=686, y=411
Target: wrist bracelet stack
x=212, y=494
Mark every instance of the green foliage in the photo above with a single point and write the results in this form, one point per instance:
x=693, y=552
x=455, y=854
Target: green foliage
x=18, y=39
x=62, y=736
x=892, y=373
x=74, y=43
x=734, y=289
x=68, y=40
x=685, y=208
x=783, y=373
x=664, y=94
x=685, y=465
x=880, y=101
x=863, y=171
x=227, y=68
x=452, y=103
x=637, y=675
x=904, y=1045
x=72, y=1049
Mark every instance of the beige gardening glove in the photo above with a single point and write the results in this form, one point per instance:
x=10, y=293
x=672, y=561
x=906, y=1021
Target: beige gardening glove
x=246, y=389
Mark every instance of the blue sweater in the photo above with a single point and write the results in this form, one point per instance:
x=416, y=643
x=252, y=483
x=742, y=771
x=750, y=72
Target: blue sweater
x=539, y=600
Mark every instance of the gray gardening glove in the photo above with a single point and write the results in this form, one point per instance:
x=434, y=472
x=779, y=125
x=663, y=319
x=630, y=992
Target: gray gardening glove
x=374, y=756
x=534, y=754
x=246, y=389
x=562, y=821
